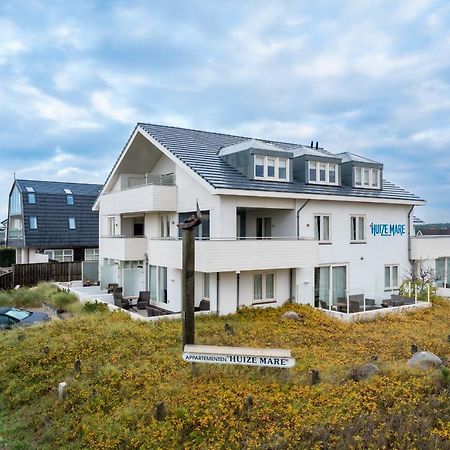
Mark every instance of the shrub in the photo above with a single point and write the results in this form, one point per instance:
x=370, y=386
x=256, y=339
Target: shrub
x=61, y=300
x=95, y=307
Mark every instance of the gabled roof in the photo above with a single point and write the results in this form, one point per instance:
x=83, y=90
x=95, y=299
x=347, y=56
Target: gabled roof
x=57, y=187
x=432, y=229
x=347, y=156
x=199, y=151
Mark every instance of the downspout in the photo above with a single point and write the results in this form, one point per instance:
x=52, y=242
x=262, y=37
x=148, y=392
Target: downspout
x=298, y=217
x=238, y=276
x=409, y=240
x=217, y=291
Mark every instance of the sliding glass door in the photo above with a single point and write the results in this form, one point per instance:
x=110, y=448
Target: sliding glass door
x=330, y=283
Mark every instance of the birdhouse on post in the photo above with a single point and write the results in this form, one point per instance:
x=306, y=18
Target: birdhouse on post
x=188, y=276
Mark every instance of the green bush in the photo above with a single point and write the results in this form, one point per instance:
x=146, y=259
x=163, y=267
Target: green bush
x=89, y=307
x=61, y=300
x=7, y=257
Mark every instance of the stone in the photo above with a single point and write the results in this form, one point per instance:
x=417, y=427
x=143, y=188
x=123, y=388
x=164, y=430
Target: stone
x=315, y=376
x=424, y=360
x=229, y=329
x=364, y=372
x=160, y=411
x=292, y=315
x=62, y=390
x=414, y=349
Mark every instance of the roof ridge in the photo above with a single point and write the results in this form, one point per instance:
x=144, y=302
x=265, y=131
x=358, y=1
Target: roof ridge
x=60, y=182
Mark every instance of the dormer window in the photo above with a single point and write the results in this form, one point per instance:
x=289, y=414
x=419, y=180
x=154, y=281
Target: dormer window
x=367, y=177
x=322, y=172
x=271, y=168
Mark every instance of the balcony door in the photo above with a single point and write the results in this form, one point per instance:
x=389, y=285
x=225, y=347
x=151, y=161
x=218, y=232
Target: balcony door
x=330, y=283
x=263, y=227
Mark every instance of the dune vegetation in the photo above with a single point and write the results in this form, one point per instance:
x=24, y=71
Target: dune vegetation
x=128, y=368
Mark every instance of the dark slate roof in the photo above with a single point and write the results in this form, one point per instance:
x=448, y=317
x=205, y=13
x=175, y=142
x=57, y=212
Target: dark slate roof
x=199, y=151
x=57, y=187
x=53, y=214
x=433, y=229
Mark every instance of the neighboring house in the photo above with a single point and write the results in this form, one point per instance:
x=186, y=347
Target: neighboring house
x=3, y=232
x=430, y=249
x=50, y=220
x=280, y=221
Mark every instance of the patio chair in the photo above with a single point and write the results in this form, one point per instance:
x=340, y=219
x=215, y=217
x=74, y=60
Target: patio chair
x=111, y=287
x=353, y=306
x=203, y=306
x=143, y=300
x=120, y=301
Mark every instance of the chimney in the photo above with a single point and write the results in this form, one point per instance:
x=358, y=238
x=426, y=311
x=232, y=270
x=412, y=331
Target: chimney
x=312, y=144
x=317, y=145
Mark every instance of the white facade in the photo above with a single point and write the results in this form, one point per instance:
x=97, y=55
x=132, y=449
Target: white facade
x=261, y=248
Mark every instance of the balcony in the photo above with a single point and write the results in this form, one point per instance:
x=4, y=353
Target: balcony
x=230, y=255
x=429, y=247
x=123, y=248
x=157, y=193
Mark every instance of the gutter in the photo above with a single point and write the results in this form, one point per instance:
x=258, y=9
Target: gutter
x=409, y=237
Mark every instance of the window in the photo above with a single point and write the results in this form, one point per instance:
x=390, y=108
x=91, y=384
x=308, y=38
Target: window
x=91, y=254
x=443, y=272
x=206, y=285
x=29, y=189
x=263, y=227
x=15, y=202
x=322, y=228
x=111, y=226
x=357, y=228
x=33, y=223
x=164, y=226
x=271, y=168
x=367, y=177
x=64, y=255
x=322, y=173
x=158, y=283
x=330, y=283
x=69, y=200
x=391, y=277
x=263, y=287
x=68, y=191
x=31, y=198
x=72, y=223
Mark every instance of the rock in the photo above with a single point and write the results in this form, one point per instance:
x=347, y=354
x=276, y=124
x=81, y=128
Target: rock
x=62, y=390
x=424, y=360
x=364, y=372
x=291, y=315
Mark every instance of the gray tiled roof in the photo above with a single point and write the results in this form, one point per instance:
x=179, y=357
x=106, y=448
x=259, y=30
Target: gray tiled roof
x=199, y=150
x=57, y=187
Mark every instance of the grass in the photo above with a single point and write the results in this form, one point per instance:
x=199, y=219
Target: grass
x=43, y=292
x=128, y=367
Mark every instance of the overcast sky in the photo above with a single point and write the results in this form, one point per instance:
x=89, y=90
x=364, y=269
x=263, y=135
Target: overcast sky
x=368, y=77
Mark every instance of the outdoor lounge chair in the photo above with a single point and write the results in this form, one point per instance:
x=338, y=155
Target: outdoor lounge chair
x=143, y=300
x=204, y=305
x=111, y=287
x=120, y=301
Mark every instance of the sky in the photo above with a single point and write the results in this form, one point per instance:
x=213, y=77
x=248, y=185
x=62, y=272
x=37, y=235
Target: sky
x=368, y=77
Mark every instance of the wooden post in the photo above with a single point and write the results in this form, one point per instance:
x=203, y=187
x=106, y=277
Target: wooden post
x=188, y=286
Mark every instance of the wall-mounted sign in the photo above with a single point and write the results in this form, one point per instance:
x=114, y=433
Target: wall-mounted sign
x=388, y=229
x=265, y=357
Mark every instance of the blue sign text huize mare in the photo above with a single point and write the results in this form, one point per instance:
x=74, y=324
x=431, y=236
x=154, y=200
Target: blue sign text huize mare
x=387, y=229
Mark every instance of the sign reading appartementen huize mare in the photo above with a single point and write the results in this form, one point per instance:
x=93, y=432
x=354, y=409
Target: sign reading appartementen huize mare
x=388, y=229
x=264, y=357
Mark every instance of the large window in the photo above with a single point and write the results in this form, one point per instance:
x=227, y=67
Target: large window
x=69, y=200
x=63, y=255
x=443, y=272
x=263, y=227
x=158, y=283
x=391, y=277
x=138, y=226
x=271, y=168
x=322, y=227
x=111, y=226
x=367, y=177
x=357, y=228
x=72, y=223
x=322, y=172
x=263, y=287
x=31, y=198
x=15, y=202
x=91, y=254
x=330, y=284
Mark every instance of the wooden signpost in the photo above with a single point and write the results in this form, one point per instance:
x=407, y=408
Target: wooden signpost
x=188, y=276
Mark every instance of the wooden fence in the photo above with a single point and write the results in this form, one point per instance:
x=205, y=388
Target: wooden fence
x=31, y=274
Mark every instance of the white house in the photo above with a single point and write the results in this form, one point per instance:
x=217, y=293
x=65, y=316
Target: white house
x=281, y=221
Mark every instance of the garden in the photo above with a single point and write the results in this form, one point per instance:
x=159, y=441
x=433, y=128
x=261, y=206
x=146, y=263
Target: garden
x=127, y=386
